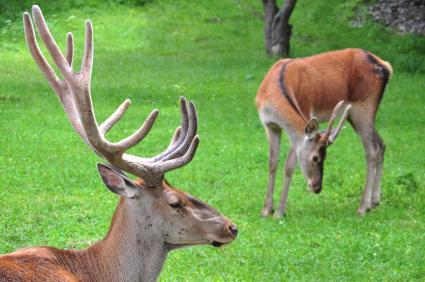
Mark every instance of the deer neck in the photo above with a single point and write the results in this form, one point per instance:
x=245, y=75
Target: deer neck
x=292, y=122
x=132, y=250
x=294, y=128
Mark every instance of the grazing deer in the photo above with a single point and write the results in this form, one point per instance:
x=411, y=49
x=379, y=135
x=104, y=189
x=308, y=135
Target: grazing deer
x=296, y=94
x=151, y=218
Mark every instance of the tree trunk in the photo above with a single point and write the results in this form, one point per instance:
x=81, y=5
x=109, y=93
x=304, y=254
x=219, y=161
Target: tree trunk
x=277, y=30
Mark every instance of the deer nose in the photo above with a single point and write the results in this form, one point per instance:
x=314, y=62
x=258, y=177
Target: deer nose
x=233, y=229
x=315, y=186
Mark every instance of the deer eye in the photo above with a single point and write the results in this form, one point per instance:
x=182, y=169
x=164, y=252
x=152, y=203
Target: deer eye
x=316, y=159
x=175, y=205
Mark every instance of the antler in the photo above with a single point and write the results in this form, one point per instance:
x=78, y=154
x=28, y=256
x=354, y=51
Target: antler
x=330, y=135
x=74, y=94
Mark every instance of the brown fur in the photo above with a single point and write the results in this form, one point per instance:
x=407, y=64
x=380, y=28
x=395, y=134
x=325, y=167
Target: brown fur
x=319, y=82
x=296, y=94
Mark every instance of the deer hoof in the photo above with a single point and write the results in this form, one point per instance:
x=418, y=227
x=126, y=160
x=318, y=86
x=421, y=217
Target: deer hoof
x=363, y=210
x=374, y=204
x=266, y=212
x=278, y=214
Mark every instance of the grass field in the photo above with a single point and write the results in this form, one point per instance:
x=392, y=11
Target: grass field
x=212, y=52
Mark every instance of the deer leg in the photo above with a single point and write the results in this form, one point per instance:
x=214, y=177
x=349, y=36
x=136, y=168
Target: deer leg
x=362, y=119
x=376, y=191
x=290, y=164
x=374, y=155
x=273, y=135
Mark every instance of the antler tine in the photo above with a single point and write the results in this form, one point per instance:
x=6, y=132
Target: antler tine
x=176, y=135
x=69, y=48
x=183, y=160
x=50, y=43
x=39, y=58
x=190, y=134
x=332, y=120
x=87, y=64
x=139, y=134
x=181, y=134
x=336, y=132
x=115, y=117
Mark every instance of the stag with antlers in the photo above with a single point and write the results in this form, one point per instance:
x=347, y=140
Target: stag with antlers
x=151, y=218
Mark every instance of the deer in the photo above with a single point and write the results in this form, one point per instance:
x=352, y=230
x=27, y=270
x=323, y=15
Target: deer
x=297, y=94
x=152, y=217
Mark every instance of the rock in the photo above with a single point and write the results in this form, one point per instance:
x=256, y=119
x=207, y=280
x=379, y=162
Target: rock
x=406, y=16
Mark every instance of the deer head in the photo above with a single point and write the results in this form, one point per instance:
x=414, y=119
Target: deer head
x=176, y=217
x=311, y=152
x=182, y=219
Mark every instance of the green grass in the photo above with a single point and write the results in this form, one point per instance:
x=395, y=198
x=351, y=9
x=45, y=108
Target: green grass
x=212, y=52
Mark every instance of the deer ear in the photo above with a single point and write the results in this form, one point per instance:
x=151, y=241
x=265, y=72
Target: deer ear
x=311, y=128
x=117, y=182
